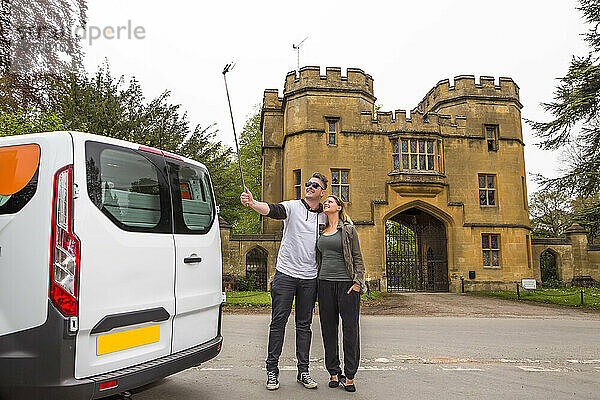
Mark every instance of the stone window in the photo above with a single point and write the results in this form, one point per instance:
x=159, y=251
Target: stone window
x=298, y=184
x=417, y=154
x=487, y=190
x=490, y=246
x=528, y=242
x=396, y=154
x=491, y=135
x=332, y=127
x=340, y=183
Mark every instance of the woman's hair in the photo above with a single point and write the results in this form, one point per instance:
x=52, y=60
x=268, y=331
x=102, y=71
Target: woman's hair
x=342, y=213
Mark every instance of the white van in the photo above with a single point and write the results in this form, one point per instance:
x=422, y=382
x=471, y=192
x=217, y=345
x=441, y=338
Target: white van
x=110, y=266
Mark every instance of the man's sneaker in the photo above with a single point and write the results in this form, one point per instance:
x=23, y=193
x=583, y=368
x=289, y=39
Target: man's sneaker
x=305, y=379
x=272, y=380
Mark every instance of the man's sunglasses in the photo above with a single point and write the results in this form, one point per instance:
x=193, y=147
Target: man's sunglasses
x=313, y=184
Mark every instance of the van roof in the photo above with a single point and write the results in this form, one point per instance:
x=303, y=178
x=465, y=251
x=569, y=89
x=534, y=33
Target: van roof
x=83, y=137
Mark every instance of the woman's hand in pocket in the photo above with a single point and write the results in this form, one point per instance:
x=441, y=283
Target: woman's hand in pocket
x=355, y=287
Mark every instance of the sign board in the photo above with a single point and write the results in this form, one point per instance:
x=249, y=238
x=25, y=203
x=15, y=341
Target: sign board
x=528, y=283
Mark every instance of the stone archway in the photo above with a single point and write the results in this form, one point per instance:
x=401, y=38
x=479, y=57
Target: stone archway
x=549, y=266
x=256, y=267
x=416, y=252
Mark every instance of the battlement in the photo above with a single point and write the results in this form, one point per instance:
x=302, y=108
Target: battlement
x=465, y=85
x=310, y=77
x=271, y=99
x=417, y=121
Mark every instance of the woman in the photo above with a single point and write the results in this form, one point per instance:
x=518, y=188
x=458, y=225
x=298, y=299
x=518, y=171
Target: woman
x=341, y=281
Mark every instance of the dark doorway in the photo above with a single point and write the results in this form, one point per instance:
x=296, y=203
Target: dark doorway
x=416, y=253
x=548, y=266
x=256, y=268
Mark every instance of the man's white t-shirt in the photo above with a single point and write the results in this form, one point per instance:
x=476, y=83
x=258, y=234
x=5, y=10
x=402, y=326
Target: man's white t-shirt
x=297, y=254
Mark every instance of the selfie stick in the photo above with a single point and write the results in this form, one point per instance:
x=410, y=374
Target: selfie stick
x=228, y=68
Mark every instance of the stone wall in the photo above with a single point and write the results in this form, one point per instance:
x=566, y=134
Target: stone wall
x=235, y=248
x=575, y=258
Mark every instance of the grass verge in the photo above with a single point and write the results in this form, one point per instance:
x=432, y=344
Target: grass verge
x=256, y=299
x=566, y=297
x=263, y=299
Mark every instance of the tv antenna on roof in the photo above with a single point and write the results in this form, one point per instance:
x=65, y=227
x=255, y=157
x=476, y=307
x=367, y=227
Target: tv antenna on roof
x=297, y=47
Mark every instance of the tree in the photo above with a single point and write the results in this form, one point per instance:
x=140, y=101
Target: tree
x=550, y=213
x=586, y=212
x=576, y=121
x=242, y=219
x=29, y=120
x=39, y=36
x=38, y=42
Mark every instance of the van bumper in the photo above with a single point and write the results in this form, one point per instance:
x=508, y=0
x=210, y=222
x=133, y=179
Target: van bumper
x=40, y=370
x=142, y=374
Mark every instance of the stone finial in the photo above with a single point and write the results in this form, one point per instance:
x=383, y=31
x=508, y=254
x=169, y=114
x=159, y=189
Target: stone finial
x=223, y=224
x=576, y=228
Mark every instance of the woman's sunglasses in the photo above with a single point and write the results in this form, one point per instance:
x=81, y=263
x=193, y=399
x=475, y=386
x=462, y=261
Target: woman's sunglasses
x=313, y=184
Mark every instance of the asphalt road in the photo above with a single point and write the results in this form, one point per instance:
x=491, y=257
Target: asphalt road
x=410, y=358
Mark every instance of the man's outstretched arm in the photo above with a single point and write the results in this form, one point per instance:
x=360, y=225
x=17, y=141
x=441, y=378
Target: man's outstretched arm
x=275, y=211
x=248, y=200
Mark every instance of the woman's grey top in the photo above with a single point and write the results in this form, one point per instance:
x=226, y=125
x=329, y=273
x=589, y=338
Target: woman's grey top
x=333, y=266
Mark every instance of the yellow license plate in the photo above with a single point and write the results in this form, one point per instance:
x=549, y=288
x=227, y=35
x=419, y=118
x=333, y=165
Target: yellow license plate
x=127, y=339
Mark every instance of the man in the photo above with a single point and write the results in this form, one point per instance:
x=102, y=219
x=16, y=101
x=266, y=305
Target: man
x=295, y=275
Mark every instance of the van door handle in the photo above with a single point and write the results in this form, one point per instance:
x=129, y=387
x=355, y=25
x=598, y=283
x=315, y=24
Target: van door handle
x=192, y=260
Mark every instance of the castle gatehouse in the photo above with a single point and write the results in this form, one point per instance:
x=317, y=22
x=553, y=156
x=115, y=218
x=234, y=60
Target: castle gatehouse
x=438, y=194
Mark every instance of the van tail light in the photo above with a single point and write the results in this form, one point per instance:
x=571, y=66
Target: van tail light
x=64, y=246
x=108, y=385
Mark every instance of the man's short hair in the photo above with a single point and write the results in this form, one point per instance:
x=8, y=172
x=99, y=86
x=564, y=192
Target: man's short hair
x=322, y=177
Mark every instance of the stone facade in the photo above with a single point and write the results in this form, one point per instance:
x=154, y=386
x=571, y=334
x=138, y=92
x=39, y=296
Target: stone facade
x=420, y=170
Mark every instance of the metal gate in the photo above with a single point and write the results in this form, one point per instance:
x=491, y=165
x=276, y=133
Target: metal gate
x=416, y=253
x=256, y=268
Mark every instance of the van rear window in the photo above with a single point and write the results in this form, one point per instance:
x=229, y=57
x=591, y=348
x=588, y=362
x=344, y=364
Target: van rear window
x=196, y=211
x=19, y=170
x=126, y=186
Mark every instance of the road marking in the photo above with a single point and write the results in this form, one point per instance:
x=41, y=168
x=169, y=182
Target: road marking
x=215, y=369
x=389, y=368
x=461, y=369
x=383, y=360
x=406, y=357
x=584, y=361
x=361, y=368
x=447, y=360
x=537, y=369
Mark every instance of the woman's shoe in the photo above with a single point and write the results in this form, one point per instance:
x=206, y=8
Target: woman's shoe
x=350, y=388
x=334, y=384
x=347, y=387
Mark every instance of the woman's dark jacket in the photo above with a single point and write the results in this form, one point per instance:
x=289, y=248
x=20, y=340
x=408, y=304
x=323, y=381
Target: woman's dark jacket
x=352, y=254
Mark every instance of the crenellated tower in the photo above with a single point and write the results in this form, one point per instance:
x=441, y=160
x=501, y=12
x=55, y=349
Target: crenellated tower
x=293, y=125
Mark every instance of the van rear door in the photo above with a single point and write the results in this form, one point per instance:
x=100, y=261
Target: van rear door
x=197, y=255
x=27, y=167
x=123, y=219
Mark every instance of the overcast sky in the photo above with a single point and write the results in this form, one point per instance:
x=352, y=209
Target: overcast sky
x=406, y=47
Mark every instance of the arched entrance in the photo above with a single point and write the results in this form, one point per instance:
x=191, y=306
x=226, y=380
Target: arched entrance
x=256, y=268
x=416, y=253
x=548, y=266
